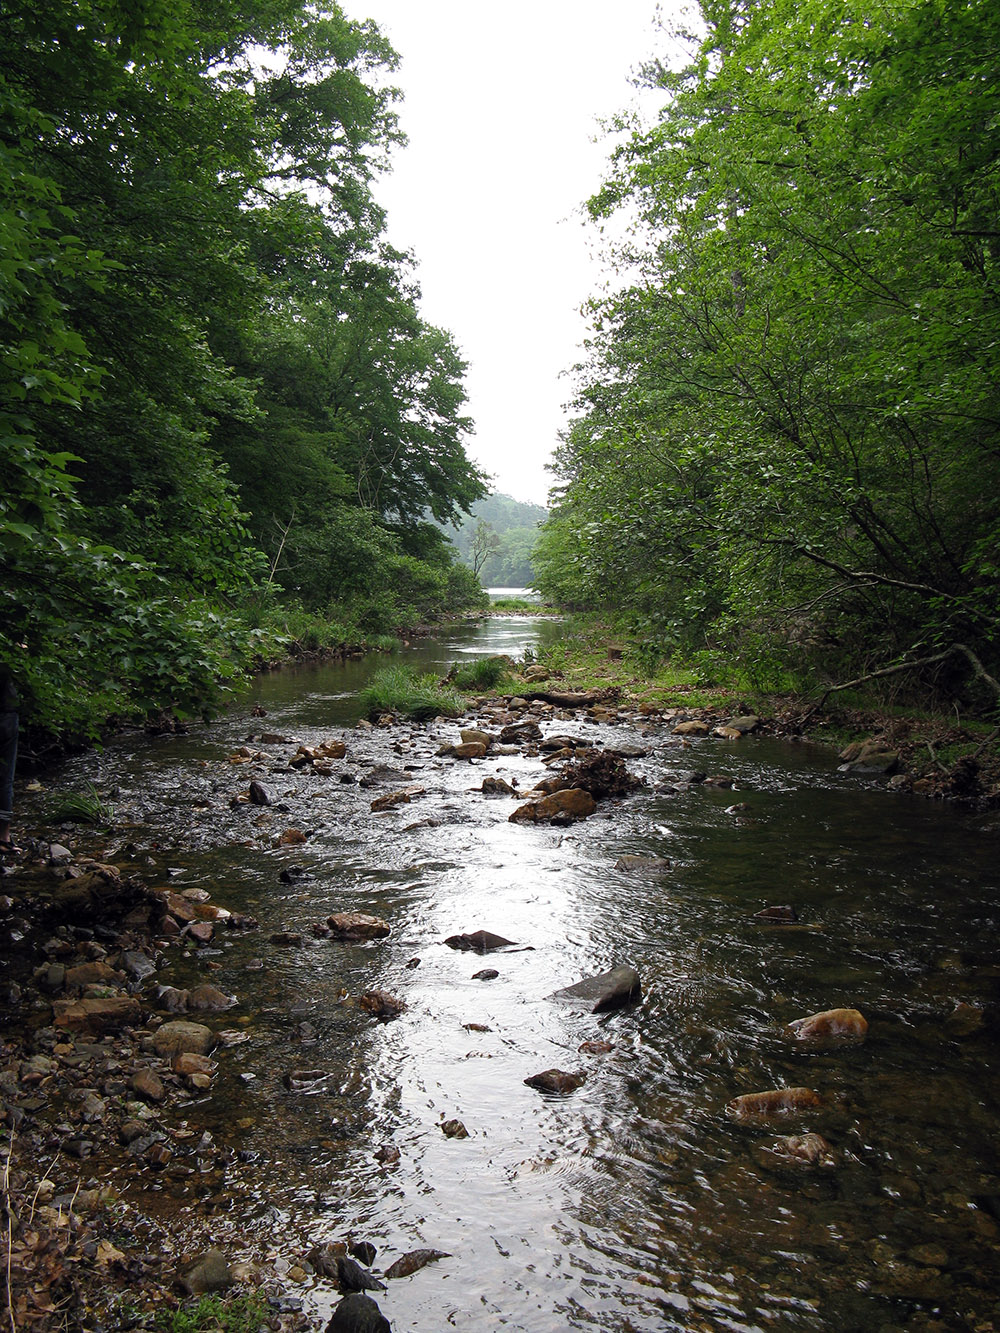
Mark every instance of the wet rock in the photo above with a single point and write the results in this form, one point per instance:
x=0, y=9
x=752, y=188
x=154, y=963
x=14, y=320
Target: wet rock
x=486, y=974
x=497, y=787
x=568, y=699
x=96, y=1016
x=258, y=794
x=553, y=743
x=773, y=1104
x=380, y=776
x=390, y=800
x=467, y=750
x=324, y=1259
x=964, y=1020
x=414, y=1261
x=608, y=990
x=137, y=964
x=209, y=998
x=364, y=1251
x=357, y=926
x=188, y=1063
x=799, y=1151
x=89, y=974
x=304, y=1080
x=352, y=1277
x=869, y=757
x=148, y=1085
x=358, y=1313
x=287, y=939
x=519, y=732
x=692, y=728
x=476, y=1027
x=201, y=931
x=556, y=1081
x=454, y=1129
x=471, y=736
x=177, y=1037
x=388, y=1154
x=380, y=1004
x=595, y=1048
x=211, y=1272
x=480, y=941
x=776, y=915
x=602, y=774
x=832, y=1027
x=571, y=804
x=653, y=865
x=291, y=837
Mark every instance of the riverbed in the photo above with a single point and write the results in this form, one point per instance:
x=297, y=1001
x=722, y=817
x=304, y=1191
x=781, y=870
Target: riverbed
x=635, y=1202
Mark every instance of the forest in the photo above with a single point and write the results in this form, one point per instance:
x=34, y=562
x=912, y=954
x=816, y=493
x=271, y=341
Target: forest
x=498, y=538
x=784, y=459
x=223, y=420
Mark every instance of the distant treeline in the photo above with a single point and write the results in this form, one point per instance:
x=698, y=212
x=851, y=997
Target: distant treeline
x=497, y=540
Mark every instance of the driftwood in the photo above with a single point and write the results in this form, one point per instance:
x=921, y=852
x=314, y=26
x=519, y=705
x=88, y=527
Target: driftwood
x=566, y=699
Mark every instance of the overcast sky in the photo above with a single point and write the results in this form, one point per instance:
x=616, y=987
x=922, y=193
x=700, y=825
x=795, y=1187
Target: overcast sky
x=501, y=105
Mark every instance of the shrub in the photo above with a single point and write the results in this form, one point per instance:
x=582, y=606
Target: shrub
x=484, y=673
x=401, y=689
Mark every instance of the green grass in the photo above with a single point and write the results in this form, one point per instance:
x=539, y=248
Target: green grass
x=81, y=807
x=402, y=690
x=214, y=1314
x=521, y=604
x=483, y=673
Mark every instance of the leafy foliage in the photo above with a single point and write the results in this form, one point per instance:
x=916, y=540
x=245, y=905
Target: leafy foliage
x=788, y=448
x=214, y=377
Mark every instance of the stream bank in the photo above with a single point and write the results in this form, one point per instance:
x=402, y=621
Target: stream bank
x=624, y=1201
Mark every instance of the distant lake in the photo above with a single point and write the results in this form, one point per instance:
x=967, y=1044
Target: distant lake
x=525, y=594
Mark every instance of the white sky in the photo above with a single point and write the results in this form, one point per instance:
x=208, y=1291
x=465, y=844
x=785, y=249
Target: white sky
x=501, y=104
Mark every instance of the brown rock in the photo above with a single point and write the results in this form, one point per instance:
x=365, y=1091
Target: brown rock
x=454, y=1129
x=210, y=998
x=471, y=736
x=148, y=1085
x=557, y=1081
x=414, y=1261
x=571, y=804
x=480, y=941
x=178, y=1037
x=774, y=1104
x=693, y=728
x=382, y=1005
x=357, y=926
x=89, y=974
x=390, y=799
x=189, y=1062
x=202, y=931
x=496, y=787
x=97, y=1016
x=292, y=837
x=833, y=1026
x=210, y=1273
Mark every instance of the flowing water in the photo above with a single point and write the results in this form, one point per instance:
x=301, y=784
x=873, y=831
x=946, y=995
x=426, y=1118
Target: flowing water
x=635, y=1203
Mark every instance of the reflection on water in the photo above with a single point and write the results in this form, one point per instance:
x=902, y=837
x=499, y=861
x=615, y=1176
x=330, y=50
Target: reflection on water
x=633, y=1204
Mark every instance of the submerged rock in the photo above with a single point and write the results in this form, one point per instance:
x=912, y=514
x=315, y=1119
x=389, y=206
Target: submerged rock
x=607, y=990
x=454, y=1129
x=773, y=1104
x=480, y=941
x=380, y=1004
x=833, y=1026
x=799, y=1152
x=209, y=1273
x=177, y=1037
x=653, y=865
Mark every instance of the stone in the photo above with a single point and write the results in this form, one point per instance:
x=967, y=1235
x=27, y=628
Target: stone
x=414, y=1261
x=211, y=1272
x=207, y=997
x=486, y=974
x=202, y=931
x=291, y=837
x=289, y=939
x=454, y=1129
x=571, y=804
x=496, y=787
x=559, y=1082
x=259, y=794
x=480, y=941
x=189, y=1062
x=390, y=800
x=602, y=774
x=471, y=736
x=777, y=914
x=773, y=1104
x=97, y=1016
x=653, y=865
x=804, y=1150
x=467, y=750
x=380, y=1004
x=179, y=1036
x=352, y=1277
x=608, y=990
x=519, y=732
x=358, y=1313
x=833, y=1026
x=148, y=1085
x=747, y=723
x=964, y=1020
x=87, y=974
x=357, y=926
x=692, y=728
x=364, y=1251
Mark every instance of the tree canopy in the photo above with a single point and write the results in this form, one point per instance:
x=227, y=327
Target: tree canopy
x=787, y=446
x=212, y=365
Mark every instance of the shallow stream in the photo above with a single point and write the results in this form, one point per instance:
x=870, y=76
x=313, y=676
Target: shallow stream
x=634, y=1203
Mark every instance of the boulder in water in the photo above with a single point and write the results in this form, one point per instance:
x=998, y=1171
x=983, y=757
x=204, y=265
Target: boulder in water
x=607, y=990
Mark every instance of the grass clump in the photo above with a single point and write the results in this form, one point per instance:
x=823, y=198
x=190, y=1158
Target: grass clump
x=214, y=1314
x=483, y=673
x=81, y=807
x=401, y=689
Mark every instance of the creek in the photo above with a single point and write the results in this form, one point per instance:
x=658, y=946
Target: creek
x=634, y=1203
